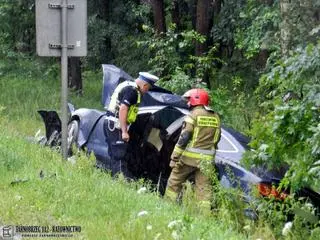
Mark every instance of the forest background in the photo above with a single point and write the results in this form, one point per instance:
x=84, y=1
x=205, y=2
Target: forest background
x=248, y=54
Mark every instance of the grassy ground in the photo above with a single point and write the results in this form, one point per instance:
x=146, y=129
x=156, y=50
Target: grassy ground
x=38, y=188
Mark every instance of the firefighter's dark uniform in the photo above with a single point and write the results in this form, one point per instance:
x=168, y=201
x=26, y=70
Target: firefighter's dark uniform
x=125, y=93
x=197, y=142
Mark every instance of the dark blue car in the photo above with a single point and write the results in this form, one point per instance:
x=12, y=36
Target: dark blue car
x=153, y=137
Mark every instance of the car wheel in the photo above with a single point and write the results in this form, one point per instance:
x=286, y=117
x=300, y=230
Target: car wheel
x=73, y=131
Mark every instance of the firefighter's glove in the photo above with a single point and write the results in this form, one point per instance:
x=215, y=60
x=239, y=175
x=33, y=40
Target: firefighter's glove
x=173, y=163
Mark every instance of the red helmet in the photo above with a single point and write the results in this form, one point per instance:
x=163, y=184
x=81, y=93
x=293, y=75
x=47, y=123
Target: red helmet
x=197, y=96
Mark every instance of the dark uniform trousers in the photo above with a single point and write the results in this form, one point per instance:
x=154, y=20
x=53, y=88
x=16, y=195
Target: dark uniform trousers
x=117, y=149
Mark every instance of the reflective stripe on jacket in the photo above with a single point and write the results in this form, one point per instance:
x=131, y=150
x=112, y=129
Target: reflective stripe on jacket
x=205, y=129
x=114, y=105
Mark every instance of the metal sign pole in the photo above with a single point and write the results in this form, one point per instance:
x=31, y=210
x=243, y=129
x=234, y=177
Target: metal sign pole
x=61, y=27
x=64, y=79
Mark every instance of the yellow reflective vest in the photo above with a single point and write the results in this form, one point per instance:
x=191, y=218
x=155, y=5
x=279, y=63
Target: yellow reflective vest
x=115, y=103
x=205, y=128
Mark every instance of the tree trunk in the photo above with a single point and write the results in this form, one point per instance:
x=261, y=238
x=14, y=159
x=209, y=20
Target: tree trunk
x=285, y=27
x=262, y=58
x=217, y=6
x=202, y=27
x=175, y=14
x=193, y=10
x=297, y=22
x=105, y=9
x=267, y=2
x=317, y=15
x=158, y=16
x=202, y=24
x=75, y=78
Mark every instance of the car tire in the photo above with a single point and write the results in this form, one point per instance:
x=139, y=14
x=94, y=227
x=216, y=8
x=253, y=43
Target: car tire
x=72, y=137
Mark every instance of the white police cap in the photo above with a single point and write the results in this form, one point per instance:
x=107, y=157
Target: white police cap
x=148, y=77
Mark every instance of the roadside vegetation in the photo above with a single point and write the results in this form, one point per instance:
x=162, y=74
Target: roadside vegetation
x=248, y=54
x=39, y=188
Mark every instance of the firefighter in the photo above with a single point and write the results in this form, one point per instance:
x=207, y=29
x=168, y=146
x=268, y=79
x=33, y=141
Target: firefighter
x=200, y=134
x=122, y=111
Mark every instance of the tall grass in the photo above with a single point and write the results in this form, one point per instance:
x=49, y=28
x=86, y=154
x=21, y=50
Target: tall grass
x=23, y=95
x=38, y=188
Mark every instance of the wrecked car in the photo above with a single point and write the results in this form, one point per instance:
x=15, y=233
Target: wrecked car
x=152, y=139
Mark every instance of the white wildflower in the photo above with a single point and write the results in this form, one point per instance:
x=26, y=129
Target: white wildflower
x=142, y=190
x=309, y=206
x=149, y=227
x=174, y=223
x=247, y=227
x=157, y=236
x=18, y=197
x=263, y=147
x=175, y=235
x=263, y=156
x=142, y=213
x=287, y=228
x=72, y=160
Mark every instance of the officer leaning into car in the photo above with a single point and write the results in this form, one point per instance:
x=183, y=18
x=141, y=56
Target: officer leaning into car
x=198, y=142
x=122, y=111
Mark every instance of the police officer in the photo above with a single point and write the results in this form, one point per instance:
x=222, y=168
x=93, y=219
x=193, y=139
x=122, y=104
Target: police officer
x=198, y=142
x=121, y=112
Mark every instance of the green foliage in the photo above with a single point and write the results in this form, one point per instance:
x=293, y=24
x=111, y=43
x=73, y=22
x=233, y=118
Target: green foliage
x=258, y=28
x=298, y=212
x=228, y=203
x=17, y=31
x=301, y=21
x=170, y=50
x=226, y=22
x=128, y=53
x=234, y=103
x=287, y=133
x=173, y=58
x=112, y=35
x=97, y=51
x=180, y=82
x=206, y=63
